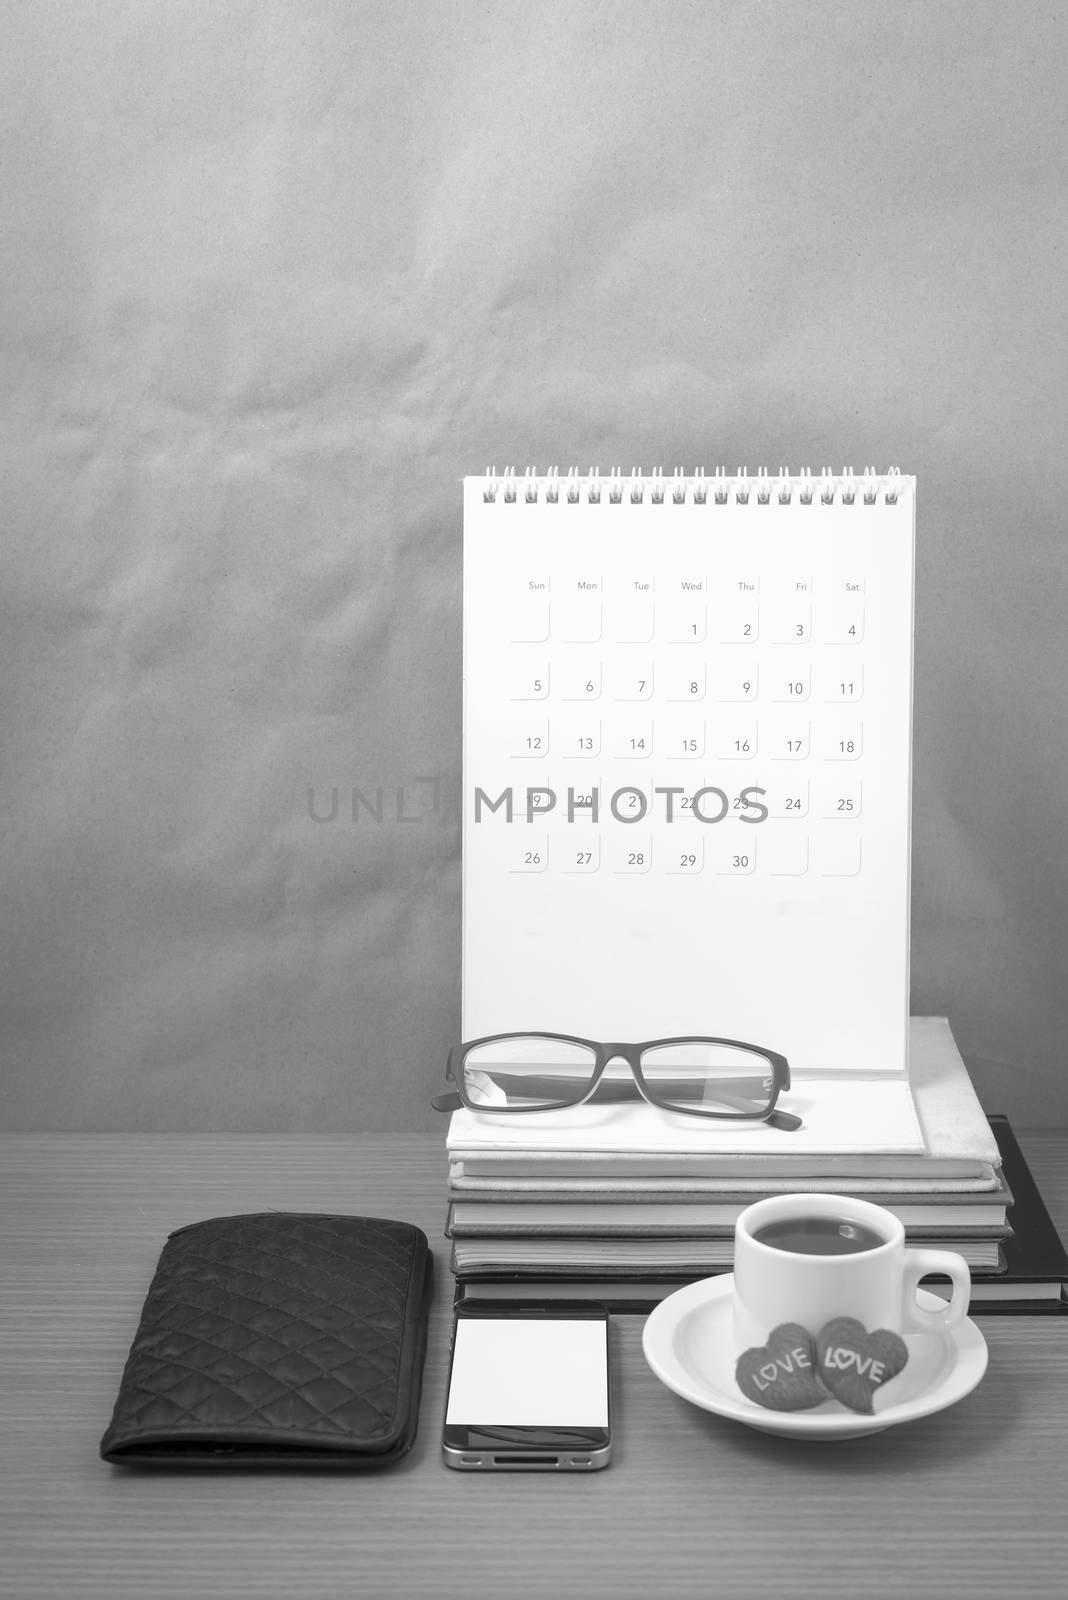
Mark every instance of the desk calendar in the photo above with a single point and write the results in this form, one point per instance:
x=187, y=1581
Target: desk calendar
x=687, y=757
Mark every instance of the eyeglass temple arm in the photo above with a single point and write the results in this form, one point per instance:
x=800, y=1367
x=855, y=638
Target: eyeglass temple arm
x=785, y=1121
x=609, y=1089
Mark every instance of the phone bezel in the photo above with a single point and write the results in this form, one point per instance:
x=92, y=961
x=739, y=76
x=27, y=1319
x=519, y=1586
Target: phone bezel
x=517, y=1448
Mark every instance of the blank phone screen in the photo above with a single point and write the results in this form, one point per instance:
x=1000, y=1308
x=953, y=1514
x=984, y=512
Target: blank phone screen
x=529, y=1372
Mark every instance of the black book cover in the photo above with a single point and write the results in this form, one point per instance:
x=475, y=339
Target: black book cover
x=1034, y=1255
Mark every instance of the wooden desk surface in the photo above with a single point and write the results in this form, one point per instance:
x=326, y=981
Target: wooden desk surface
x=970, y=1502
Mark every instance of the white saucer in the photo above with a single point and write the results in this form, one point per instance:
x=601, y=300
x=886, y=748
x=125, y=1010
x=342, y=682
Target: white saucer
x=688, y=1341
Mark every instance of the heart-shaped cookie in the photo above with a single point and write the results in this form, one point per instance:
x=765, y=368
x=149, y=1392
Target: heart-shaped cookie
x=852, y=1363
x=781, y=1374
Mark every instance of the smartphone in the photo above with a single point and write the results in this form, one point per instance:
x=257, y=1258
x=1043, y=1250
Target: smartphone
x=528, y=1388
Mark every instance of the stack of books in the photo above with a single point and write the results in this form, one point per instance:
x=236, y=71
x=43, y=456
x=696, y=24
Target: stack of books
x=624, y=1203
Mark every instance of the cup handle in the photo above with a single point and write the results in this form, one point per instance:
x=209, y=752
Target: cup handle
x=918, y=1263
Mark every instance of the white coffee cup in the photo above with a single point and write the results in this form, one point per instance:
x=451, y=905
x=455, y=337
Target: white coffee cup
x=877, y=1285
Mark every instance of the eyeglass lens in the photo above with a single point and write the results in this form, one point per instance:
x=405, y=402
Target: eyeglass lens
x=526, y=1073
x=692, y=1075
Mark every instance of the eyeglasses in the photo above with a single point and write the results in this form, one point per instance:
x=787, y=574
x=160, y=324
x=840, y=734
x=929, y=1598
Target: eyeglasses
x=507, y=1073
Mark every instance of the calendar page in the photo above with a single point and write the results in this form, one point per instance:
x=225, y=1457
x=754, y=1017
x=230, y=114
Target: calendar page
x=687, y=753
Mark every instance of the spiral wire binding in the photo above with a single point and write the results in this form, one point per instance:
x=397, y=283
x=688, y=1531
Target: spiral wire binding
x=846, y=488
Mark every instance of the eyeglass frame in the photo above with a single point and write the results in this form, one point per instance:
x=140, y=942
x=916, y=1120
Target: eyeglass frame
x=603, y=1052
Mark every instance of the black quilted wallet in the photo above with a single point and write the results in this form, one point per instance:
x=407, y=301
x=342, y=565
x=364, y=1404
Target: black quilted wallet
x=278, y=1339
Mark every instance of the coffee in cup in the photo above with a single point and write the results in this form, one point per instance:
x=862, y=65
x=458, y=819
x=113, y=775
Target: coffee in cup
x=819, y=1236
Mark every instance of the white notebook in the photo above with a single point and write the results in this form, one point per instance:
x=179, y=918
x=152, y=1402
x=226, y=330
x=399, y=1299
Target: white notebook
x=873, y=1115
x=687, y=740
x=878, y=1133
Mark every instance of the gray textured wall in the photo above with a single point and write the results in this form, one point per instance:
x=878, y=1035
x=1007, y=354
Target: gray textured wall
x=275, y=277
